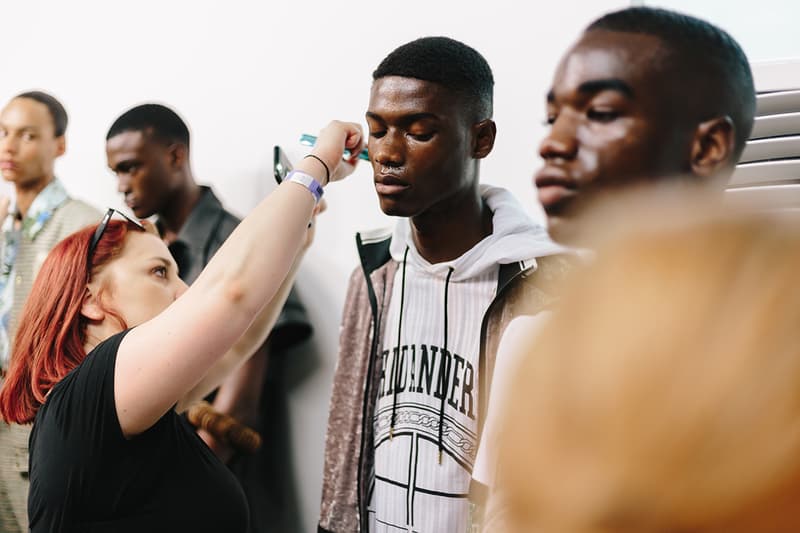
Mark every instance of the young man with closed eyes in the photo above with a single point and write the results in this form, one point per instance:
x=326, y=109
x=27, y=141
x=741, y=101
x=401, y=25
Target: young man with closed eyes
x=424, y=310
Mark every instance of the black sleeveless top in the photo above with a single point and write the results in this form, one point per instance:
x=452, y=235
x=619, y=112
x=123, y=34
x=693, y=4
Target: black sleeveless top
x=85, y=476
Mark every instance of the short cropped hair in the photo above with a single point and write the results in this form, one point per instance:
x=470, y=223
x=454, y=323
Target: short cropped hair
x=155, y=119
x=54, y=107
x=702, y=58
x=449, y=63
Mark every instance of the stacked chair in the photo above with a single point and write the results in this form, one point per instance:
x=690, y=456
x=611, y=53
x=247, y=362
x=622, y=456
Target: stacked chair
x=768, y=174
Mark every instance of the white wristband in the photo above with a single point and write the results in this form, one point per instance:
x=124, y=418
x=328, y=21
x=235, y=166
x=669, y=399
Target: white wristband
x=307, y=181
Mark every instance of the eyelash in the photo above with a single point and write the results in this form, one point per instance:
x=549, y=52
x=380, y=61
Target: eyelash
x=601, y=116
x=418, y=137
x=162, y=270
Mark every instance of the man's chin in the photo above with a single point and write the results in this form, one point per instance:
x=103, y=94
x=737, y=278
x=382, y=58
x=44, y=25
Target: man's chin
x=142, y=213
x=395, y=209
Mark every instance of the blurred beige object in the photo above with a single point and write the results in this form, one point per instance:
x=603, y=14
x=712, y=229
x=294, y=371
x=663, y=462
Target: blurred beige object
x=202, y=415
x=664, y=393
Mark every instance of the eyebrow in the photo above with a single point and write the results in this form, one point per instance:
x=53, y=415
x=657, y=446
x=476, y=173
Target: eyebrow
x=23, y=129
x=596, y=86
x=125, y=163
x=408, y=119
x=166, y=262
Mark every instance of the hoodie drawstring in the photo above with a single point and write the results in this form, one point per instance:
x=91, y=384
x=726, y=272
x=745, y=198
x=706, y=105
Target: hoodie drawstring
x=443, y=372
x=399, y=330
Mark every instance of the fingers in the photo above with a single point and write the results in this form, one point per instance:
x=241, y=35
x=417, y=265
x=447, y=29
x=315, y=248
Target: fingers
x=332, y=142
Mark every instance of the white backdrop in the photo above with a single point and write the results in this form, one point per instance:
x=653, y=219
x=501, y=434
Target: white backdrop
x=247, y=75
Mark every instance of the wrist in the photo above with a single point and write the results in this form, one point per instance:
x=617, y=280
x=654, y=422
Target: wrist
x=321, y=162
x=308, y=181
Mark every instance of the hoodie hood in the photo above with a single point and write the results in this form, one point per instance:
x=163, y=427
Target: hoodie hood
x=515, y=238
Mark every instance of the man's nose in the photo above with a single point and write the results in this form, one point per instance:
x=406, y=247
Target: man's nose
x=388, y=150
x=8, y=145
x=561, y=142
x=123, y=183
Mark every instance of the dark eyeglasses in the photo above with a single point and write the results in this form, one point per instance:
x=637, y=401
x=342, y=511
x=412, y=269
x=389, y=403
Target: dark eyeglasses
x=101, y=228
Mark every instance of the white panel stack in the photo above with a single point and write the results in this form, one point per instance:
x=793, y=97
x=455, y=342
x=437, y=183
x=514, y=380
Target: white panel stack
x=768, y=174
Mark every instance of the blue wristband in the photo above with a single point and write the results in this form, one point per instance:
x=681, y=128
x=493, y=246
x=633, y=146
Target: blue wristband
x=307, y=181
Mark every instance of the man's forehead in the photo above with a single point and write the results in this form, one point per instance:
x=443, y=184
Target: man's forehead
x=26, y=113
x=600, y=54
x=407, y=93
x=127, y=141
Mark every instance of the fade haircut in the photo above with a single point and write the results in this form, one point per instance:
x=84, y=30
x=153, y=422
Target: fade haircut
x=154, y=119
x=54, y=107
x=701, y=59
x=445, y=61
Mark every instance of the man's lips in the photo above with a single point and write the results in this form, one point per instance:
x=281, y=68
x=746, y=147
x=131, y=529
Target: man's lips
x=555, y=188
x=8, y=165
x=388, y=185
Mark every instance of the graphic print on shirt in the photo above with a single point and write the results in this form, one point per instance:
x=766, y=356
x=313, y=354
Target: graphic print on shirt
x=425, y=419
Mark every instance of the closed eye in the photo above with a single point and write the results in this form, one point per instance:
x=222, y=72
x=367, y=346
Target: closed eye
x=126, y=167
x=602, y=115
x=421, y=136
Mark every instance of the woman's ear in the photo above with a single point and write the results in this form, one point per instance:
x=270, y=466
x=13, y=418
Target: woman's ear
x=91, y=308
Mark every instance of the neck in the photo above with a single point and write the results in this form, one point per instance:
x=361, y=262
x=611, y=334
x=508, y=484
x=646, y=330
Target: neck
x=447, y=231
x=98, y=332
x=179, y=208
x=26, y=194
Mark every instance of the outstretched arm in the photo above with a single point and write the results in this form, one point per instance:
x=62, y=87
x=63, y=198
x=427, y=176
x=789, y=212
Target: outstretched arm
x=161, y=361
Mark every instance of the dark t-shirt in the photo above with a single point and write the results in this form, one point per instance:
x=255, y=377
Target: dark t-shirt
x=85, y=476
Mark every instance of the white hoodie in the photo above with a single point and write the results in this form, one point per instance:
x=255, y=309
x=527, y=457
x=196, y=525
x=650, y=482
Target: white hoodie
x=425, y=417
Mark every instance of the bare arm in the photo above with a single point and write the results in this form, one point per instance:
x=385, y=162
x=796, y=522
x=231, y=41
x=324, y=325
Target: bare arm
x=161, y=361
x=250, y=343
x=247, y=345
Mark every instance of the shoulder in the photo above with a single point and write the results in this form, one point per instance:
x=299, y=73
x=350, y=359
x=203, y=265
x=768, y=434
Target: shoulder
x=97, y=362
x=86, y=387
x=552, y=268
x=226, y=221
x=538, y=288
x=75, y=214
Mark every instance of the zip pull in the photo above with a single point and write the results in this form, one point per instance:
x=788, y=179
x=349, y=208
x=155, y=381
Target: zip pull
x=391, y=433
x=440, y=456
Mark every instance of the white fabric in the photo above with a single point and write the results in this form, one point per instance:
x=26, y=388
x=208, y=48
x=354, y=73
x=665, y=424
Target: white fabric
x=411, y=490
x=515, y=238
x=511, y=351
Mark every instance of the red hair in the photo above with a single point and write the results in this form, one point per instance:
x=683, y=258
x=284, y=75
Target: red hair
x=52, y=331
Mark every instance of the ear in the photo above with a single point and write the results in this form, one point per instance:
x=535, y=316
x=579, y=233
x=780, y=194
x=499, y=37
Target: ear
x=178, y=155
x=712, y=146
x=61, y=145
x=484, y=133
x=91, y=307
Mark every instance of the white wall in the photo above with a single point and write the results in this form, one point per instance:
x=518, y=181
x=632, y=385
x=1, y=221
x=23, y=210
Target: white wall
x=248, y=75
x=767, y=29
